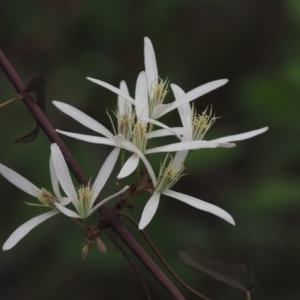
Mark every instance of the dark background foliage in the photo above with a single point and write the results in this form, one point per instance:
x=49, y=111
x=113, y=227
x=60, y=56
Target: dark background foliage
x=253, y=43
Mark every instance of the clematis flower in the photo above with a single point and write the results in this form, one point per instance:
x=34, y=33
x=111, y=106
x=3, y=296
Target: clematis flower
x=85, y=197
x=168, y=176
x=157, y=89
x=46, y=199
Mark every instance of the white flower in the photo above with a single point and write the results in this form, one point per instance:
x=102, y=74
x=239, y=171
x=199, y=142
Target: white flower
x=196, y=126
x=167, y=178
x=45, y=198
x=85, y=198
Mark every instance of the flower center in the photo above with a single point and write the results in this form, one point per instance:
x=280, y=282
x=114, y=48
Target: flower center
x=201, y=123
x=159, y=92
x=169, y=175
x=139, y=135
x=84, y=195
x=47, y=198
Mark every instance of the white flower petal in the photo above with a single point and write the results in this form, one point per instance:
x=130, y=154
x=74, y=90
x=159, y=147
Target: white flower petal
x=67, y=212
x=150, y=65
x=54, y=180
x=165, y=132
x=242, y=136
x=19, y=181
x=129, y=166
x=123, y=105
x=213, y=209
x=158, y=110
x=65, y=201
x=62, y=172
x=90, y=138
x=104, y=174
x=192, y=95
x=112, y=88
x=157, y=123
x=189, y=145
x=108, y=198
x=141, y=97
x=149, y=210
x=18, y=234
x=184, y=109
x=130, y=147
x=82, y=118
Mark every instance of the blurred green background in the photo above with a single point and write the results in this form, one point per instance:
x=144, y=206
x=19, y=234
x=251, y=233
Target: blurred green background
x=253, y=43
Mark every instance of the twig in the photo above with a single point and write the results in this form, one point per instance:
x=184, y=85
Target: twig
x=128, y=217
x=139, y=275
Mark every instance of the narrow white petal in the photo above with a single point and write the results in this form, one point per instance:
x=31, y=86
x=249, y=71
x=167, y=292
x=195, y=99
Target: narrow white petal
x=189, y=145
x=150, y=65
x=192, y=95
x=90, y=138
x=129, y=166
x=65, y=201
x=19, y=181
x=149, y=210
x=18, y=234
x=67, y=212
x=130, y=147
x=54, y=180
x=104, y=174
x=241, y=136
x=82, y=118
x=112, y=88
x=141, y=97
x=184, y=109
x=108, y=198
x=158, y=110
x=164, y=132
x=200, y=204
x=62, y=172
x=179, y=159
x=123, y=105
x=157, y=123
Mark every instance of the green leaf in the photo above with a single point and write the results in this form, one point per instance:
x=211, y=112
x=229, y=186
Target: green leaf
x=234, y=275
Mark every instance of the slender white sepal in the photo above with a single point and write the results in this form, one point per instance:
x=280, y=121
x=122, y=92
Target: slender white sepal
x=112, y=88
x=68, y=212
x=242, y=136
x=54, y=179
x=83, y=118
x=141, y=97
x=90, y=138
x=123, y=105
x=190, y=96
x=124, y=189
x=129, y=166
x=189, y=145
x=63, y=174
x=19, y=181
x=132, y=148
x=200, y=204
x=149, y=210
x=150, y=65
x=25, y=228
x=104, y=174
x=165, y=132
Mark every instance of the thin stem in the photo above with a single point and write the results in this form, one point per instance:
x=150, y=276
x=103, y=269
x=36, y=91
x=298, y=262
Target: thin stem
x=115, y=223
x=128, y=217
x=139, y=274
x=248, y=295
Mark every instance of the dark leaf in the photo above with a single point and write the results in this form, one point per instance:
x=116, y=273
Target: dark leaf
x=36, y=85
x=31, y=136
x=234, y=275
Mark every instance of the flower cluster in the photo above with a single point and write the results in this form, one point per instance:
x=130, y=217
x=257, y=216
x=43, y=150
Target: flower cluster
x=137, y=123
